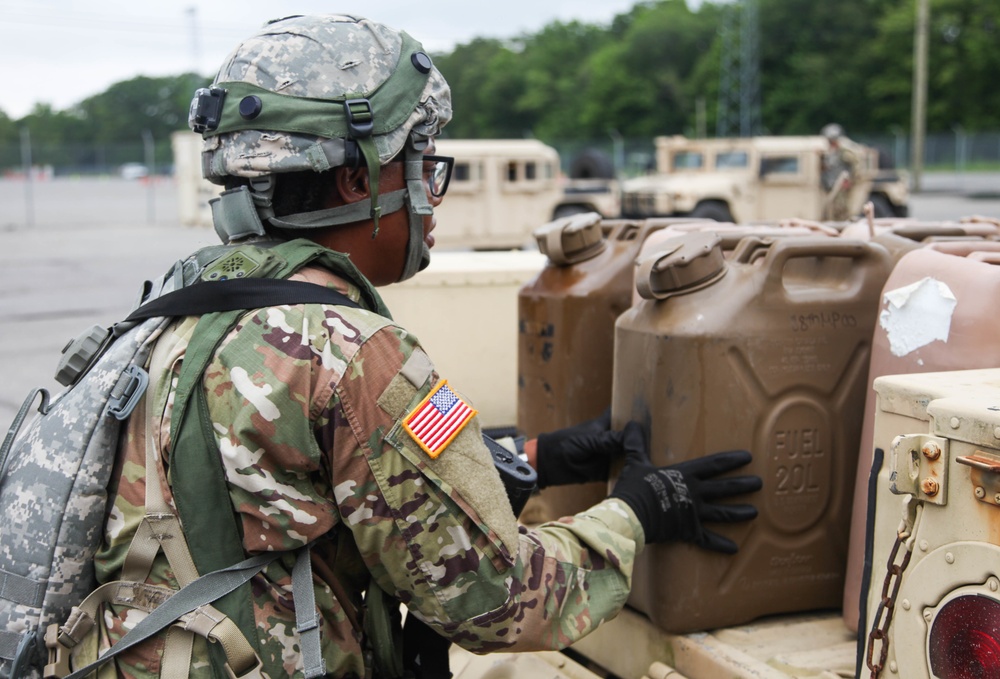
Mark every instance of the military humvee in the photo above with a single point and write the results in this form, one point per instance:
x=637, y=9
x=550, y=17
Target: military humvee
x=755, y=179
x=500, y=190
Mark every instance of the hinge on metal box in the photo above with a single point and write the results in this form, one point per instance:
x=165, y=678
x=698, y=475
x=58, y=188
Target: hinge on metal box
x=920, y=467
x=985, y=475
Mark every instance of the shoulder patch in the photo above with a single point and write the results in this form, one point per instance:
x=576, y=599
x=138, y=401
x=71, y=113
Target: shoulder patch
x=438, y=419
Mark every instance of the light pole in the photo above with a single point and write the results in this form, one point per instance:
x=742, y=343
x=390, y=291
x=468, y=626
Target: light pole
x=919, y=90
x=150, y=154
x=29, y=193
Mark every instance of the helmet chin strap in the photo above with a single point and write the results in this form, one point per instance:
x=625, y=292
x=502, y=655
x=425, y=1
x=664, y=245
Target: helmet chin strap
x=418, y=255
x=413, y=197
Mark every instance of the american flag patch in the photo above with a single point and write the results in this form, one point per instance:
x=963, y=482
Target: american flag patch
x=438, y=419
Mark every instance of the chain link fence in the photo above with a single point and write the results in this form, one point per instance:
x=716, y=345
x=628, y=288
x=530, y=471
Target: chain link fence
x=956, y=151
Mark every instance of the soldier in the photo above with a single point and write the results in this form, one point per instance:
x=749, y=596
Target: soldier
x=322, y=128
x=840, y=169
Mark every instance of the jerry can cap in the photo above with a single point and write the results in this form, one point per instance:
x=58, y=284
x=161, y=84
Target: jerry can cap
x=681, y=265
x=571, y=240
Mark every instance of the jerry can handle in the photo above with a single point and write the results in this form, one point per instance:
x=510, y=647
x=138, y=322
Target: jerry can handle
x=985, y=256
x=874, y=259
x=751, y=248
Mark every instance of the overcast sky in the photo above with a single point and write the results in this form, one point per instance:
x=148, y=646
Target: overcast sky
x=62, y=51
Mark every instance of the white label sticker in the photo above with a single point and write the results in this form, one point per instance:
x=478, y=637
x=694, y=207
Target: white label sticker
x=917, y=314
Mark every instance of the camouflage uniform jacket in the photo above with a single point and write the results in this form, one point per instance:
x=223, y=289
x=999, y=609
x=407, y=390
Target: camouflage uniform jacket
x=306, y=403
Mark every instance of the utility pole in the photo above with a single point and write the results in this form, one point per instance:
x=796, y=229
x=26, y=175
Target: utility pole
x=195, y=43
x=749, y=70
x=150, y=153
x=26, y=162
x=727, y=113
x=919, y=112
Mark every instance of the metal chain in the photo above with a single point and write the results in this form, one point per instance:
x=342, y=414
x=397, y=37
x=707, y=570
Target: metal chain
x=886, y=607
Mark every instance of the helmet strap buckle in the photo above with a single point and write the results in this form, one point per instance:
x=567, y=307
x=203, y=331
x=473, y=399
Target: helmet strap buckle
x=262, y=192
x=360, y=118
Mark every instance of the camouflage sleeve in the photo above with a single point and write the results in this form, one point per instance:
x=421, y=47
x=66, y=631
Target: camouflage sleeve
x=438, y=532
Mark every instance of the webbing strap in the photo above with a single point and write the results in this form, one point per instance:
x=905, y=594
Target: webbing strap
x=21, y=590
x=198, y=476
x=306, y=616
x=237, y=295
x=177, y=652
x=160, y=528
x=334, y=216
x=9, y=642
x=202, y=591
x=209, y=622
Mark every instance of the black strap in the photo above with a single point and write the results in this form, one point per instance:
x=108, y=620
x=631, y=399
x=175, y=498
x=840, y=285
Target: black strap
x=238, y=293
x=866, y=571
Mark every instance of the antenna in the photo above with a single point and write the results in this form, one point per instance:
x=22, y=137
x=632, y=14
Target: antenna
x=192, y=13
x=739, y=71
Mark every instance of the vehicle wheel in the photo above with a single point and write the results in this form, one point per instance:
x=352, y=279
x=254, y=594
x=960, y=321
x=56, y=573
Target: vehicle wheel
x=592, y=164
x=883, y=208
x=712, y=210
x=569, y=210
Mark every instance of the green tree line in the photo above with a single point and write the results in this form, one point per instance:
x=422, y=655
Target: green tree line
x=654, y=70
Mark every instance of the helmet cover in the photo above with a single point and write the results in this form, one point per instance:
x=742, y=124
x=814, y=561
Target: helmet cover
x=287, y=84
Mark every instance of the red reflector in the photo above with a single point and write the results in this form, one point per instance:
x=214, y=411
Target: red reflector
x=965, y=639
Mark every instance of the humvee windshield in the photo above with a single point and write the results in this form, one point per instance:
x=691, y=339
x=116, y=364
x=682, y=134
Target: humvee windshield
x=731, y=159
x=688, y=160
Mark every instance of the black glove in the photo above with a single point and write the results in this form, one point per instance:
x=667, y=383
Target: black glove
x=577, y=454
x=673, y=503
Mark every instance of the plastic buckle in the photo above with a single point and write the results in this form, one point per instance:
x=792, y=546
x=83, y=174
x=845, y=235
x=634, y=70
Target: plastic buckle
x=253, y=672
x=360, y=118
x=58, y=664
x=127, y=392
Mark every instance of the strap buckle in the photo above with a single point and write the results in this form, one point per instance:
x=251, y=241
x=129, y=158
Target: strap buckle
x=360, y=118
x=126, y=394
x=58, y=664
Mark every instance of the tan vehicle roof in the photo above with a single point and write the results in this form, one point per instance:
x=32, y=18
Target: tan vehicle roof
x=465, y=148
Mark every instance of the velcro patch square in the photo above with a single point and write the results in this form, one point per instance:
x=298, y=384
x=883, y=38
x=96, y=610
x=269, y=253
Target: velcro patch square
x=438, y=419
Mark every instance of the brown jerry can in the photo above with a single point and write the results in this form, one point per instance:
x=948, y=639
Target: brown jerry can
x=566, y=323
x=736, y=354
x=943, y=318
x=924, y=231
x=732, y=235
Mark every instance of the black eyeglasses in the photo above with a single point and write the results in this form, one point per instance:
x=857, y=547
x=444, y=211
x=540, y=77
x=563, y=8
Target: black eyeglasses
x=439, y=176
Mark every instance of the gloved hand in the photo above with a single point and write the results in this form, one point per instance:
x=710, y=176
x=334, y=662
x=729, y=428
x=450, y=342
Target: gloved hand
x=674, y=502
x=577, y=454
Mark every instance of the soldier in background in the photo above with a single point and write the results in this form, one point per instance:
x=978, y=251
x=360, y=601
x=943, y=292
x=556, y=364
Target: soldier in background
x=839, y=172
x=322, y=128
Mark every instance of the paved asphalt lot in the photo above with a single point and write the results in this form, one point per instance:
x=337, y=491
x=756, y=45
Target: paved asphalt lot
x=93, y=241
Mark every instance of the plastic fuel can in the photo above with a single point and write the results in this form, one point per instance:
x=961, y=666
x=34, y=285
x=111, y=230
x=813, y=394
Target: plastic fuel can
x=765, y=351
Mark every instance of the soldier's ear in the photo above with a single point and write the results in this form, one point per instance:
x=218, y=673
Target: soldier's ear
x=352, y=183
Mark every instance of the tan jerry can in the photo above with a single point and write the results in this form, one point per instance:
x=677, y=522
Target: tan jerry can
x=937, y=519
x=566, y=322
x=730, y=354
x=938, y=313
x=731, y=235
x=980, y=228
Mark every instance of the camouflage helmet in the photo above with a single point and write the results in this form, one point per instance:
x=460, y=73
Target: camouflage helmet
x=286, y=88
x=314, y=93
x=832, y=131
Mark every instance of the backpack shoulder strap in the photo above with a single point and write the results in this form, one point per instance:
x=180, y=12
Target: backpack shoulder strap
x=238, y=295
x=196, y=468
